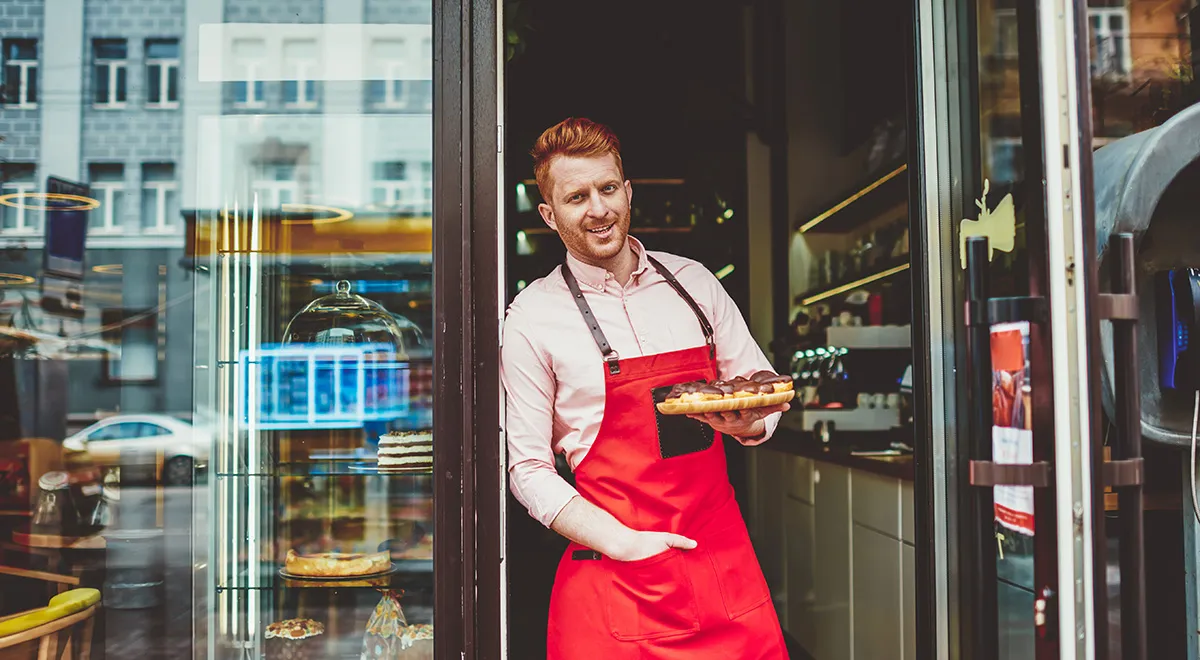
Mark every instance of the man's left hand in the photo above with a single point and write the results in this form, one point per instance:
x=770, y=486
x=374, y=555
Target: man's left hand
x=743, y=425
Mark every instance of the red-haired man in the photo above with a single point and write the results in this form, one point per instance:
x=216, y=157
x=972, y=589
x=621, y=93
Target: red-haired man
x=660, y=564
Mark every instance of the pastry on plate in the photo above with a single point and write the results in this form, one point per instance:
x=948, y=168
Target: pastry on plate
x=760, y=384
x=293, y=639
x=336, y=564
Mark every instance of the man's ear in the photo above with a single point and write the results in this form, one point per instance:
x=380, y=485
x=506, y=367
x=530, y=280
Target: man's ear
x=547, y=214
x=628, y=191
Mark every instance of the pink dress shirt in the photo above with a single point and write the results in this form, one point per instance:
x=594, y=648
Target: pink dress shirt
x=553, y=373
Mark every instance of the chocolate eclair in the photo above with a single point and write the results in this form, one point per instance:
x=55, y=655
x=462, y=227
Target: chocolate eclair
x=777, y=382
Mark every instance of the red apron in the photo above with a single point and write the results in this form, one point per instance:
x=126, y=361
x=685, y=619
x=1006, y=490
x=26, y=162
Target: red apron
x=653, y=474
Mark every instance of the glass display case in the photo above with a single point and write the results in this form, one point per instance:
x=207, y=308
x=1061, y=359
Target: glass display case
x=312, y=249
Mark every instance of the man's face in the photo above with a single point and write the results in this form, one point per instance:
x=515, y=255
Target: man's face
x=588, y=206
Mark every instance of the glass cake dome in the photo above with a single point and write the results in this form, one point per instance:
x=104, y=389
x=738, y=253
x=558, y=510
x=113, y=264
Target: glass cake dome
x=346, y=318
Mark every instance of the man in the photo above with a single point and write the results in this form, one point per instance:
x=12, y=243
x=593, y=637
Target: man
x=660, y=564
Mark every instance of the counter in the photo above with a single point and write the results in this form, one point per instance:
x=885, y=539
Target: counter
x=835, y=534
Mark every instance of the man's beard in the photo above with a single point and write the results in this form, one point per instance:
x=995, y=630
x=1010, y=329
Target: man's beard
x=581, y=242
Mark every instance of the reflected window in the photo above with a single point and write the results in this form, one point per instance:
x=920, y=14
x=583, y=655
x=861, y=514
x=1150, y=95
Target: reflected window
x=162, y=73
x=18, y=178
x=111, y=77
x=277, y=185
x=107, y=181
x=1005, y=159
x=1109, y=37
x=427, y=187
x=249, y=91
x=299, y=85
x=20, y=73
x=160, y=198
x=390, y=186
x=133, y=339
x=1006, y=34
x=395, y=84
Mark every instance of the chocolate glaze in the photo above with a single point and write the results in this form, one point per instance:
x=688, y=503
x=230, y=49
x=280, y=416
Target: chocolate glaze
x=746, y=386
x=709, y=389
x=769, y=377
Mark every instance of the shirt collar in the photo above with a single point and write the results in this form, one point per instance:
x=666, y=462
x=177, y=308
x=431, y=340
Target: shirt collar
x=596, y=277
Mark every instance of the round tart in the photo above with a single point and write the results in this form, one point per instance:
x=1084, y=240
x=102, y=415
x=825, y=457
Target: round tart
x=293, y=639
x=336, y=564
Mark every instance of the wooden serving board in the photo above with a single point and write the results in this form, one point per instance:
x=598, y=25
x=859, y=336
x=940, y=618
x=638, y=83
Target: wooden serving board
x=723, y=405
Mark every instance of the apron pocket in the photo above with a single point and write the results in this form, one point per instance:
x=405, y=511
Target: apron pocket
x=743, y=587
x=651, y=597
x=679, y=435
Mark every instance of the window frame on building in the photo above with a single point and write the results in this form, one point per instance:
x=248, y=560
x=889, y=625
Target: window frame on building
x=268, y=189
x=254, y=88
x=117, y=85
x=26, y=220
x=24, y=97
x=165, y=67
x=106, y=192
x=1100, y=28
x=300, y=87
x=161, y=189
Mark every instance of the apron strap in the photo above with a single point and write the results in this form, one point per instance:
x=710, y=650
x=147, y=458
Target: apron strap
x=705, y=326
x=610, y=355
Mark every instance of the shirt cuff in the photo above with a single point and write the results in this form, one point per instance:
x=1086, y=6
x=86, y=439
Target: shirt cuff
x=551, y=498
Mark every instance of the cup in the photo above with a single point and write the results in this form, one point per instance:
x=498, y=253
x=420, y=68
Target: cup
x=864, y=400
x=892, y=401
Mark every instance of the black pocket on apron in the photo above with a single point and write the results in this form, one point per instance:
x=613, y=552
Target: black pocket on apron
x=679, y=434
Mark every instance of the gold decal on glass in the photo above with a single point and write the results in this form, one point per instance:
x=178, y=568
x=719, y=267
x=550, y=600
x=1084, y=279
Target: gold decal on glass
x=999, y=226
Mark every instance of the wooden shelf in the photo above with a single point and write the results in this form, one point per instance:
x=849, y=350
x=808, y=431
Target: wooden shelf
x=864, y=204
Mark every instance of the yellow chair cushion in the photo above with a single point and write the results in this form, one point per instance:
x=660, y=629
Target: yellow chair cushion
x=62, y=605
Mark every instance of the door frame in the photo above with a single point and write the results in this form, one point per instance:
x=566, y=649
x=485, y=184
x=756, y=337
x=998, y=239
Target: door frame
x=945, y=151
x=467, y=274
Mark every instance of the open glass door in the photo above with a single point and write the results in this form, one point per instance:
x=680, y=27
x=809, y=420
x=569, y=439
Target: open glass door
x=1009, y=275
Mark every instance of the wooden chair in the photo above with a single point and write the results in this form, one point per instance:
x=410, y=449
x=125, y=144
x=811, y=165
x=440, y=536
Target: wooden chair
x=54, y=640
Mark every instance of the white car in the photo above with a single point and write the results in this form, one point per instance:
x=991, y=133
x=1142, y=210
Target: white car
x=180, y=446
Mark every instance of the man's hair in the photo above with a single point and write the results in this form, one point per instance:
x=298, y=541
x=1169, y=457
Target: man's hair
x=572, y=137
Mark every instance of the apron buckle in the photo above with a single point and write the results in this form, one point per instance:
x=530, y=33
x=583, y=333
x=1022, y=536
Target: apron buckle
x=614, y=363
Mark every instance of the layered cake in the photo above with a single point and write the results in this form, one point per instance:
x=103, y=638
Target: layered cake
x=292, y=639
x=410, y=450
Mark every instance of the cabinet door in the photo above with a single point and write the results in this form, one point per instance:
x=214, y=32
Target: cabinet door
x=908, y=601
x=877, y=602
x=831, y=577
x=801, y=563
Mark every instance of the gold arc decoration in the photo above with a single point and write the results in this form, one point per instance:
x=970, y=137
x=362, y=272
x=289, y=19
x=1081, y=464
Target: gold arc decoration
x=13, y=279
x=83, y=203
x=339, y=215
x=852, y=198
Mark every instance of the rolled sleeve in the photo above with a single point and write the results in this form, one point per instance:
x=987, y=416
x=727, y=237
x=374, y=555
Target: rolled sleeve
x=529, y=388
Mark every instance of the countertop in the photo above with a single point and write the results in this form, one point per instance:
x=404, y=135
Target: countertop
x=802, y=444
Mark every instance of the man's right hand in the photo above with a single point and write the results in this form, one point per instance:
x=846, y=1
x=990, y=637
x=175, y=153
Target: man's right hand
x=640, y=545
x=592, y=527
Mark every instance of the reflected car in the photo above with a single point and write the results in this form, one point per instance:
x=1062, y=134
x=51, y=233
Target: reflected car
x=145, y=440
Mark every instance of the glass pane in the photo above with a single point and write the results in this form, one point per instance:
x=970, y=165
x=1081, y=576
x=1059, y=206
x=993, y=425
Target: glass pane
x=100, y=80
x=154, y=83
x=245, y=425
x=121, y=78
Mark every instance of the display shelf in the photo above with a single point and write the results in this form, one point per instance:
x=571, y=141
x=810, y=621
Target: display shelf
x=870, y=337
x=865, y=203
x=888, y=270
x=418, y=571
